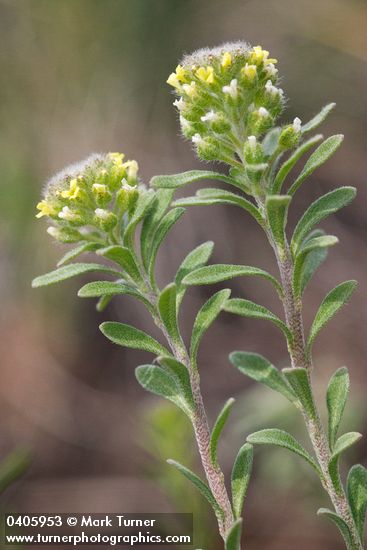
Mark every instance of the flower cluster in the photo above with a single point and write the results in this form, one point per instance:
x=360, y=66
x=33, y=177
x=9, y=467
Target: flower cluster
x=90, y=198
x=228, y=98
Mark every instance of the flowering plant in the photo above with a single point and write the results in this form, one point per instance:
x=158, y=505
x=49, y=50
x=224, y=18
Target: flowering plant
x=229, y=103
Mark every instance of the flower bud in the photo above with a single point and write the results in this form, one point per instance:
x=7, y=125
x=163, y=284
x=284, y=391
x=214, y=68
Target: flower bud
x=64, y=234
x=104, y=219
x=101, y=194
x=290, y=135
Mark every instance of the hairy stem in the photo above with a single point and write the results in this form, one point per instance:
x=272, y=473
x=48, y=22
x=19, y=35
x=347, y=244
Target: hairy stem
x=299, y=358
x=213, y=473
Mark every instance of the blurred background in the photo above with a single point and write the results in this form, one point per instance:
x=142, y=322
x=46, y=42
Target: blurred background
x=79, y=76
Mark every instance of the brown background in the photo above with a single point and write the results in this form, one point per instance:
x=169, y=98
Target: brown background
x=89, y=75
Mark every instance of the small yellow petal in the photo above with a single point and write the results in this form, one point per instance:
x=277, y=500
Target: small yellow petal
x=172, y=80
x=226, y=60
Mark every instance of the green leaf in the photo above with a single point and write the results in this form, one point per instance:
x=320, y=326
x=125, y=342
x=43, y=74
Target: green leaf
x=336, y=398
x=320, y=209
x=233, y=539
x=329, y=307
x=131, y=337
x=71, y=270
x=274, y=436
x=75, y=252
x=158, y=381
x=199, y=484
x=260, y=369
x=357, y=496
x=124, y=258
x=205, y=317
x=195, y=259
x=298, y=379
x=271, y=141
x=240, y=477
x=342, y=444
x=246, y=308
x=157, y=209
x=217, y=273
x=219, y=196
x=317, y=119
x=13, y=467
x=98, y=289
x=321, y=155
x=218, y=428
x=340, y=523
x=181, y=374
x=287, y=166
x=163, y=228
x=142, y=206
x=175, y=181
x=103, y=303
x=308, y=259
x=168, y=312
x=277, y=212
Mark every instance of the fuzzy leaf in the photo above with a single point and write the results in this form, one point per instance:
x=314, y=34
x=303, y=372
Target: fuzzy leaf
x=317, y=119
x=260, y=369
x=157, y=209
x=168, y=311
x=271, y=141
x=142, y=206
x=75, y=252
x=181, y=374
x=287, y=166
x=158, y=381
x=320, y=209
x=218, y=428
x=163, y=228
x=124, y=258
x=195, y=259
x=277, y=211
x=308, y=259
x=342, y=444
x=240, y=477
x=336, y=397
x=329, y=307
x=98, y=289
x=319, y=157
x=199, y=484
x=246, y=308
x=103, y=303
x=219, y=196
x=205, y=317
x=71, y=270
x=13, y=467
x=298, y=379
x=340, y=523
x=274, y=436
x=131, y=337
x=357, y=496
x=175, y=181
x=233, y=539
x=217, y=273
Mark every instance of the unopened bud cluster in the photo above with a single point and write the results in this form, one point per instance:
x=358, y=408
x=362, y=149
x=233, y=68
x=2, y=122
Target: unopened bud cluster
x=88, y=199
x=228, y=99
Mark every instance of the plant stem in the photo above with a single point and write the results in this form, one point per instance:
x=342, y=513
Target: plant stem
x=213, y=473
x=299, y=358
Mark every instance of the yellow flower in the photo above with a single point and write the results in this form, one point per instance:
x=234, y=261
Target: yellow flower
x=172, y=80
x=116, y=158
x=99, y=190
x=73, y=192
x=206, y=74
x=132, y=168
x=226, y=60
x=180, y=73
x=258, y=56
x=45, y=209
x=249, y=71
